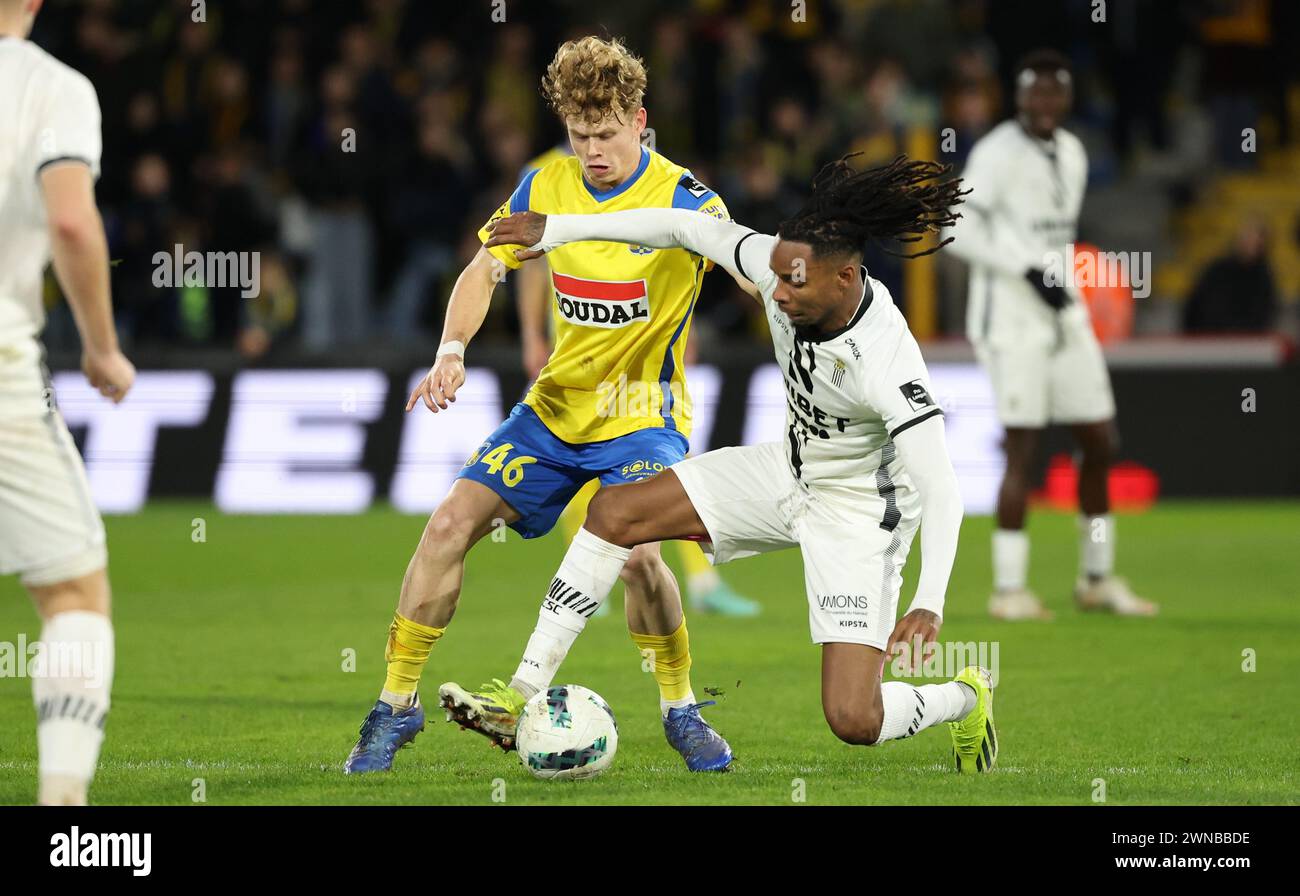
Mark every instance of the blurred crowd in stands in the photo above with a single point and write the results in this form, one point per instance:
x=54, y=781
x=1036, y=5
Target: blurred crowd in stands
x=358, y=146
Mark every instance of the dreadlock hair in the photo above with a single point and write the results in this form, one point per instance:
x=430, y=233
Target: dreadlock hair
x=899, y=202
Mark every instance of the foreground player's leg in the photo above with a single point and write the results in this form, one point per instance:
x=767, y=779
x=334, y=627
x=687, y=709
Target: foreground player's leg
x=659, y=631
x=658, y=628
x=639, y=513
x=1011, y=598
x=585, y=577
x=661, y=510
x=860, y=709
x=73, y=687
x=1097, y=588
x=571, y=522
x=707, y=591
x=430, y=592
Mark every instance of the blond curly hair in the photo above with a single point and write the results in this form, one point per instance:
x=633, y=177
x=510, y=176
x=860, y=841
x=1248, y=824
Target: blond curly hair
x=590, y=78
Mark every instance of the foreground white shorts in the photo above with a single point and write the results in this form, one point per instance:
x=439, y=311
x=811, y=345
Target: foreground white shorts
x=1036, y=386
x=751, y=503
x=50, y=530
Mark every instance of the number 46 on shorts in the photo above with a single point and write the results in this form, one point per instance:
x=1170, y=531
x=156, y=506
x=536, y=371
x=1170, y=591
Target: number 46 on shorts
x=498, y=461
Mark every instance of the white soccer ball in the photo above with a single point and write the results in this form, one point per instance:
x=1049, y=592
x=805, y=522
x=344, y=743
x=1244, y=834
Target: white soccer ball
x=567, y=731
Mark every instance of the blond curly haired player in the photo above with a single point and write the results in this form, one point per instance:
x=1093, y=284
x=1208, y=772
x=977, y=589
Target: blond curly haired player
x=622, y=316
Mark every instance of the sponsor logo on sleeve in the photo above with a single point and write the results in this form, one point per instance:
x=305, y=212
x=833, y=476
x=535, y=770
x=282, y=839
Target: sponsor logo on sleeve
x=692, y=186
x=916, y=395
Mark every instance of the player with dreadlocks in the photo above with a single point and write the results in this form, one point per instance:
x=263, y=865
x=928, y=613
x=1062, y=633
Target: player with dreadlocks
x=863, y=461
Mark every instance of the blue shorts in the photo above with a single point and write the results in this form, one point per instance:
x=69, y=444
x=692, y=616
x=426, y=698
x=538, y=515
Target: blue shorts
x=538, y=474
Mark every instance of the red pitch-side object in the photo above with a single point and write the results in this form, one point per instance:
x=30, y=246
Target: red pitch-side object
x=1131, y=486
x=1111, y=306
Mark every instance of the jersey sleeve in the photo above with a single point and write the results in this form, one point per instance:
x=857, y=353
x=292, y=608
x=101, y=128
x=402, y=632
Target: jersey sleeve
x=901, y=393
x=693, y=195
x=902, y=396
x=69, y=129
x=738, y=249
x=518, y=202
x=924, y=453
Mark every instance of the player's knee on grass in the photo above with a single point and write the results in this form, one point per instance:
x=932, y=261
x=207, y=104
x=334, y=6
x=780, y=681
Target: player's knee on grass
x=859, y=726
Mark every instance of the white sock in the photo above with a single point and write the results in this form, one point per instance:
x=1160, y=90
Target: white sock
x=1096, y=545
x=911, y=709
x=399, y=702
x=72, y=676
x=682, y=703
x=1010, y=559
x=583, y=581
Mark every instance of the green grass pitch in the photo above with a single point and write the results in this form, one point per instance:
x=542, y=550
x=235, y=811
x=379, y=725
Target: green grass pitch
x=231, y=656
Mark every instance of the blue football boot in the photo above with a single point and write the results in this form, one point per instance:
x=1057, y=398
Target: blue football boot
x=703, y=748
x=383, y=733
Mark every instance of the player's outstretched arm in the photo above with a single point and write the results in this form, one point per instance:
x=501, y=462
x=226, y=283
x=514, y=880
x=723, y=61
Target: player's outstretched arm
x=923, y=449
x=658, y=228
x=466, y=309
x=80, y=253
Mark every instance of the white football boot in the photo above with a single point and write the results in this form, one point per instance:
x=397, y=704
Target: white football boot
x=1017, y=604
x=1111, y=595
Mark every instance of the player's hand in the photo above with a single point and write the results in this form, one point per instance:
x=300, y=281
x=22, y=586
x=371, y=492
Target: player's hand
x=519, y=229
x=109, y=372
x=438, y=388
x=912, y=636
x=537, y=351
x=1054, y=295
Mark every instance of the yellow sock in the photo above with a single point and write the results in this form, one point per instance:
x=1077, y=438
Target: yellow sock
x=672, y=664
x=409, y=646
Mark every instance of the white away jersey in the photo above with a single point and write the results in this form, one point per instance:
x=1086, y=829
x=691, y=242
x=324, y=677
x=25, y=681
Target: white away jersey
x=1023, y=209
x=848, y=393
x=48, y=113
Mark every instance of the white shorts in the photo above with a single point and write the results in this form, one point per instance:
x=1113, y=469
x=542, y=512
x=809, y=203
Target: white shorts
x=1036, y=386
x=750, y=504
x=50, y=530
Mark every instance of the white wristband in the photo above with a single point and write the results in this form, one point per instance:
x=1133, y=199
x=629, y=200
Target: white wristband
x=454, y=347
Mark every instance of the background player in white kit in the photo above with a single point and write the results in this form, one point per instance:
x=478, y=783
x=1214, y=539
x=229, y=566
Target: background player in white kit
x=864, y=458
x=50, y=533
x=1027, y=178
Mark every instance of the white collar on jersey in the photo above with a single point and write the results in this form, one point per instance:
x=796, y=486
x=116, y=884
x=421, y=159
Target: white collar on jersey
x=863, y=304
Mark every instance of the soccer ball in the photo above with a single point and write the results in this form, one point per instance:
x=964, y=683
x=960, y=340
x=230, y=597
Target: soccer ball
x=567, y=732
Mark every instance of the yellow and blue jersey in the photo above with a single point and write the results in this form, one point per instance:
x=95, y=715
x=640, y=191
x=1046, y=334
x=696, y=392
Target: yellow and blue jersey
x=622, y=313
x=555, y=153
